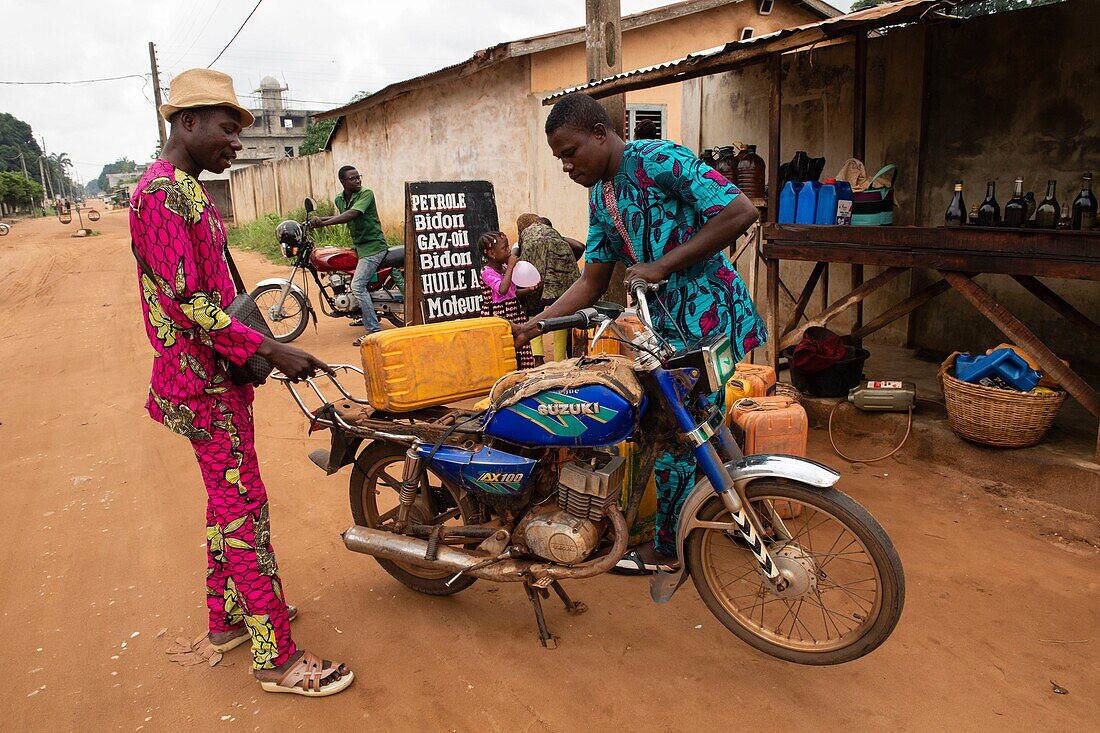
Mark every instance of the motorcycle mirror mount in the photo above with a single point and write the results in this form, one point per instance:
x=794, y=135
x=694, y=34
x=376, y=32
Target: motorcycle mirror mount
x=310, y=206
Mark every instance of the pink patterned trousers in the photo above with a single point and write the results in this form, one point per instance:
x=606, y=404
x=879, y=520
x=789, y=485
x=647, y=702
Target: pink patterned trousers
x=243, y=589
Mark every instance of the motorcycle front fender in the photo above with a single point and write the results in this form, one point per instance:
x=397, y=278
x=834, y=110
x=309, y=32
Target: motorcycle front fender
x=663, y=585
x=281, y=282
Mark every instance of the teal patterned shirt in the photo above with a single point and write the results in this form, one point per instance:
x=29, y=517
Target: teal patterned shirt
x=665, y=195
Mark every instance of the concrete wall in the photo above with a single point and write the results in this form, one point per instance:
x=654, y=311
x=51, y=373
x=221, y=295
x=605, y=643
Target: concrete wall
x=278, y=186
x=994, y=114
x=489, y=125
x=474, y=128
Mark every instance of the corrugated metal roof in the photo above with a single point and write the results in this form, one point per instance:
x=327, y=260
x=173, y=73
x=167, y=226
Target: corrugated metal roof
x=737, y=53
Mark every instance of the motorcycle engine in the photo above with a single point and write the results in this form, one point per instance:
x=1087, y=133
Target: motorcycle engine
x=342, y=299
x=569, y=533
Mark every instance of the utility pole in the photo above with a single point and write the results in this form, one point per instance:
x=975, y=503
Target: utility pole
x=603, y=43
x=24, y=162
x=42, y=175
x=156, y=94
x=53, y=192
x=603, y=53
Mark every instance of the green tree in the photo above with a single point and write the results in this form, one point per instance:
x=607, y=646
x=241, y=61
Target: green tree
x=19, y=192
x=316, y=136
x=17, y=138
x=122, y=165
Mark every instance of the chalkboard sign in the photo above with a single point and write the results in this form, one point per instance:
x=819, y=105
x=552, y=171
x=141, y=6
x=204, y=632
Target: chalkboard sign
x=443, y=220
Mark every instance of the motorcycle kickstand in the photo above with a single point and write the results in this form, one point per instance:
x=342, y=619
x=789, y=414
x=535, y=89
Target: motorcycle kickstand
x=573, y=608
x=534, y=595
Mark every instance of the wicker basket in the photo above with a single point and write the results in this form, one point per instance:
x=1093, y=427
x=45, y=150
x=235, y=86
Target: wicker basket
x=999, y=417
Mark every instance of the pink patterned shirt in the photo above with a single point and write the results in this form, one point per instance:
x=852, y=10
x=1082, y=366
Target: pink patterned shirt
x=493, y=279
x=179, y=234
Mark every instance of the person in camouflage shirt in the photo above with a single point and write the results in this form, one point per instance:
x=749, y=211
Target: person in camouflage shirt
x=542, y=246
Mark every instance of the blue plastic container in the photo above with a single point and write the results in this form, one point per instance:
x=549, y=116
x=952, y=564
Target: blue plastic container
x=844, y=200
x=826, y=203
x=807, y=203
x=1003, y=368
x=788, y=202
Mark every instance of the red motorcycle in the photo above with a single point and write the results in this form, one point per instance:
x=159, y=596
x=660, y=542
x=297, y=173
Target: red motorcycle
x=286, y=305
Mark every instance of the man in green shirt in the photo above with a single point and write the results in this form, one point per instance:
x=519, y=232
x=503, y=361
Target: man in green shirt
x=357, y=210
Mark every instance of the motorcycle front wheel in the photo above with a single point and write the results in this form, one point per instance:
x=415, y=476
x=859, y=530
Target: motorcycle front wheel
x=846, y=588
x=291, y=320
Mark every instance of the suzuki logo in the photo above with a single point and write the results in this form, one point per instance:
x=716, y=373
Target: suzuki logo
x=574, y=408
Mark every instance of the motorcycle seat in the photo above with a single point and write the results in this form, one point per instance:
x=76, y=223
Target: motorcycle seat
x=395, y=257
x=614, y=372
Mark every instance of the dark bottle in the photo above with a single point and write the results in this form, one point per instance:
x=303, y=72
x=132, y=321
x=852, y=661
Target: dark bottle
x=1049, y=212
x=956, y=210
x=1064, y=219
x=989, y=213
x=1084, y=206
x=1016, y=208
x=1029, y=197
x=750, y=173
x=972, y=218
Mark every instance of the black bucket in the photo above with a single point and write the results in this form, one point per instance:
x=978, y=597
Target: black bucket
x=833, y=381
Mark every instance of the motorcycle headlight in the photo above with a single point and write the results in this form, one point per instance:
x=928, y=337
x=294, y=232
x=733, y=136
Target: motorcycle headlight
x=720, y=362
x=289, y=251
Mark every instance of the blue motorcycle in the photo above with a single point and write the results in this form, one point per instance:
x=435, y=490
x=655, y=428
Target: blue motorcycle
x=531, y=490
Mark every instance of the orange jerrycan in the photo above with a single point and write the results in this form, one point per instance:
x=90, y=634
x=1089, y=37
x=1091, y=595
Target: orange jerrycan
x=772, y=425
x=761, y=376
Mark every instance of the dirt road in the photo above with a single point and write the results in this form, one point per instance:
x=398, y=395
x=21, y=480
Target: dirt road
x=104, y=535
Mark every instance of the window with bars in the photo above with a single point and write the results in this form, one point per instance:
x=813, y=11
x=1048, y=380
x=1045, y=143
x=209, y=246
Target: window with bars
x=651, y=116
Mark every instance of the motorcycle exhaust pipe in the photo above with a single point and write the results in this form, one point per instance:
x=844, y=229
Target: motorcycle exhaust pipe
x=401, y=548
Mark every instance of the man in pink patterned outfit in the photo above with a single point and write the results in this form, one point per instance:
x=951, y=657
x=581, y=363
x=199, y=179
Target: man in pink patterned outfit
x=179, y=234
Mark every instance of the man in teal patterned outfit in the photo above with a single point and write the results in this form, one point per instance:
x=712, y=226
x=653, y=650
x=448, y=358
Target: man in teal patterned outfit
x=678, y=214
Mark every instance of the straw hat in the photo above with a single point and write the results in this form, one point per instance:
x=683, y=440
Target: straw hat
x=203, y=88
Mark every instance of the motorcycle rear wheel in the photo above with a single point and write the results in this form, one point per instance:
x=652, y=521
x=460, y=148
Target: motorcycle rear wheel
x=295, y=312
x=373, y=496
x=853, y=585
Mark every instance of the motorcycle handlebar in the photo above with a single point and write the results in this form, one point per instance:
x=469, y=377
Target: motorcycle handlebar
x=581, y=319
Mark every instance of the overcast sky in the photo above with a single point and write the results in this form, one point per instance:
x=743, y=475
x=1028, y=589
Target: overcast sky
x=323, y=51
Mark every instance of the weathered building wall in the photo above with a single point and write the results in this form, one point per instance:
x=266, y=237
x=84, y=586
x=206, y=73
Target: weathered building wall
x=993, y=115
x=280, y=186
x=473, y=128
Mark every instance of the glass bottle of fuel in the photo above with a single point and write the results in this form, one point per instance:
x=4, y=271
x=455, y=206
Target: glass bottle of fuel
x=972, y=218
x=1016, y=208
x=1084, y=206
x=1049, y=212
x=956, y=210
x=989, y=213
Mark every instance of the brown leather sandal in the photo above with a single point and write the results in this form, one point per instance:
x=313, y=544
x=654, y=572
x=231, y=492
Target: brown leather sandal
x=236, y=641
x=310, y=669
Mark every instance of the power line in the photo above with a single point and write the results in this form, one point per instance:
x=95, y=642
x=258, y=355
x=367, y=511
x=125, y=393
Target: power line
x=254, y=8
x=81, y=81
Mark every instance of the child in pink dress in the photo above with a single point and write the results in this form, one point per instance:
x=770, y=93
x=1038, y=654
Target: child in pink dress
x=499, y=296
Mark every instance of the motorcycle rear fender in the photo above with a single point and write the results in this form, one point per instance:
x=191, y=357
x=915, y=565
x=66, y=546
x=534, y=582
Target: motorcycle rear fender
x=663, y=585
x=341, y=452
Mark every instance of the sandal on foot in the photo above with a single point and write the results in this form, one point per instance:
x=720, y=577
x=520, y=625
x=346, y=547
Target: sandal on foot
x=236, y=641
x=310, y=669
x=633, y=564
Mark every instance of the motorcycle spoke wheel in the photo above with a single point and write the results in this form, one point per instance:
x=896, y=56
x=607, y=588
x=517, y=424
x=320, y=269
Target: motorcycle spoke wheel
x=291, y=321
x=847, y=586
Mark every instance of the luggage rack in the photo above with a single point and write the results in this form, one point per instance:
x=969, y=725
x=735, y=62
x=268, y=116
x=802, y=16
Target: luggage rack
x=356, y=417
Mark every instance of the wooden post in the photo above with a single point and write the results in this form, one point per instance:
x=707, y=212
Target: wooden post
x=603, y=53
x=773, y=313
x=853, y=298
x=1052, y=299
x=859, y=148
x=603, y=43
x=922, y=153
x=775, y=119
